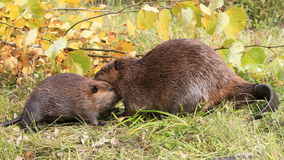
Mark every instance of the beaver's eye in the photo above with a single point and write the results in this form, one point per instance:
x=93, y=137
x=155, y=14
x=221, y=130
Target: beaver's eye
x=102, y=72
x=94, y=89
x=110, y=89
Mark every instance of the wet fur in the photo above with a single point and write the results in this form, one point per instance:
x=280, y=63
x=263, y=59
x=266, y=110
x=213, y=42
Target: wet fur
x=68, y=96
x=177, y=72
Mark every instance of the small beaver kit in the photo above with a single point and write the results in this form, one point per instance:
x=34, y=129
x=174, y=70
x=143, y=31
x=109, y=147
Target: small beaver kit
x=176, y=76
x=67, y=96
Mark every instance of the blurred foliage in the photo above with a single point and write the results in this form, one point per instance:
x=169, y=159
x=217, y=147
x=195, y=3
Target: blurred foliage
x=270, y=12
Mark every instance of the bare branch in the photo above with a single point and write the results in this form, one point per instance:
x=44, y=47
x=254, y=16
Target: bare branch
x=96, y=49
x=100, y=56
x=223, y=47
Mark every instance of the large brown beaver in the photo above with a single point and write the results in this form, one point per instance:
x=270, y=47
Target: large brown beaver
x=67, y=96
x=178, y=75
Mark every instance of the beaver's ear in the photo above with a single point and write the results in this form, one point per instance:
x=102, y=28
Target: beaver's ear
x=94, y=89
x=116, y=65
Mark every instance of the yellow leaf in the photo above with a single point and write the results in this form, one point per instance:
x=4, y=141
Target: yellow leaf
x=111, y=36
x=42, y=5
x=65, y=26
x=19, y=42
x=205, y=10
x=96, y=61
x=140, y=26
x=14, y=11
x=34, y=23
x=76, y=68
x=71, y=33
x=19, y=23
x=222, y=22
x=62, y=2
x=71, y=16
x=75, y=45
x=163, y=24
x=19, y=81
x=185, y=17
x=237, y=21
x=95, y=26
x=20, y=2
x=102, y=33
x=86, y=34
x=94, y=14
x=60, y=57
x=8, y=33
x=85, y=25
x=208, y=24
x=73, y=2
x=147, y=19
x=131, y=28
x=124, y=46
x=26, y=70
x=11, y=62
x=48, y=16
x=14, y=71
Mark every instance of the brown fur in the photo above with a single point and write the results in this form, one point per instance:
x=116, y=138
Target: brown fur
x=177, y=72
x=68, y=96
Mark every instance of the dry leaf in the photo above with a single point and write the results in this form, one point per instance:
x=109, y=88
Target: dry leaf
x=29, y=155
x=55, y=133
x=15, y=115
x=32, y=34
x=121, y=118
x=19, y=158
x=84, y=137
x=102, y=6
x=182, y=154
x=132, y=54
x=100, y=142
x=114, y=141
x=59, y=154
x=48, y=16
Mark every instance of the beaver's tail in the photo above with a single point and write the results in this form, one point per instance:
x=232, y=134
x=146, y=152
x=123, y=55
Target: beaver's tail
x=3, y=124
x=264, y=91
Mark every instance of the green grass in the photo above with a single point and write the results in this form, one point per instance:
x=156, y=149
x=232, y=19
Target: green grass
x=223, y=131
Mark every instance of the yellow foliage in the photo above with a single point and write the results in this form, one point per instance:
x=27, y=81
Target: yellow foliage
x=131, y=28
x=73, y=2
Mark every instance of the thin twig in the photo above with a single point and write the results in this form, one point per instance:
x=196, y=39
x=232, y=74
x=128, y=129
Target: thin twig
x=99, y=16
x=25, y=31
x=90, y=10
x=223, y=47
x=100, y=56
x=111, y=12
x=97, y=49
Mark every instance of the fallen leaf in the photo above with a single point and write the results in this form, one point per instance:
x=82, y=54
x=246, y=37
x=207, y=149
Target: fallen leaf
x=29, y=155
x=114, y=141
x=100, y=142
x=32, y=34
x=84, y=137
x=55, y=133
x=19, y=158
x=121, y=118
x=182, y=154
x=59, y=154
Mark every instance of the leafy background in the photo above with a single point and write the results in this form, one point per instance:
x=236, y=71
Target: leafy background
x=42, y=38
